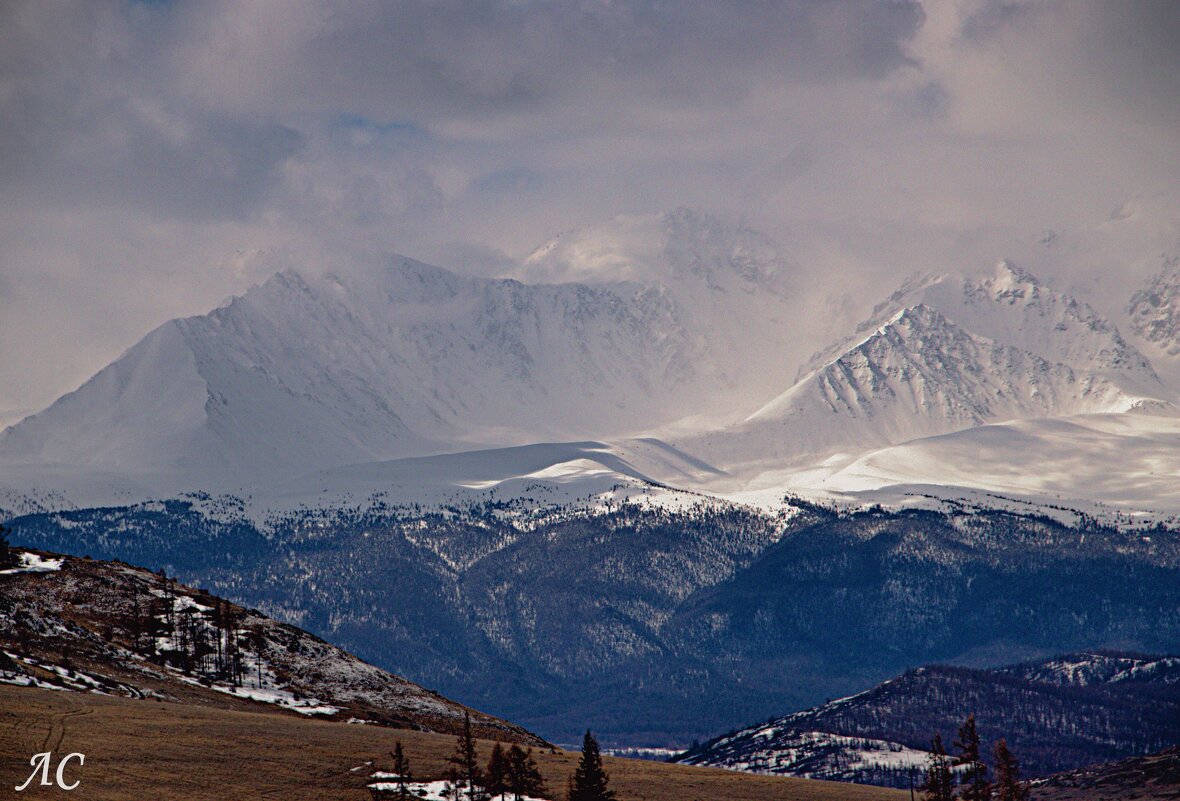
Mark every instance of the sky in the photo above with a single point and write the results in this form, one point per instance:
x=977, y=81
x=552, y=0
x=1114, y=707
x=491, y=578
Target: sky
x=158, y=157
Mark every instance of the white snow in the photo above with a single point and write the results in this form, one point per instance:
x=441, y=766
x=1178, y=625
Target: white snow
x=397, y=358
x=1125, y=462
x=404, y=383
x=66, y=678
x=32, y=563
x=434, y=791
x=279, y=697
x=820, y=755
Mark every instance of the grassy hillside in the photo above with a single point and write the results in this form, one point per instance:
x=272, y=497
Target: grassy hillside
x=137, y=749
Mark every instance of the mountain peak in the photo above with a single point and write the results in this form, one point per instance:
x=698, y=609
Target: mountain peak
x=1008, y=279
x=678, y=245
x=1011, y=306
x=919, y=373
x=1155, y=309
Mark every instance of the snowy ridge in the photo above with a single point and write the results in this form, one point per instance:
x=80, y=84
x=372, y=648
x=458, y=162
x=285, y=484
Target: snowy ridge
x=1115, y=704
x=402, y=360
x=1090, y=669
x=917, y=374
x=1011, y=306
x=1141, y=452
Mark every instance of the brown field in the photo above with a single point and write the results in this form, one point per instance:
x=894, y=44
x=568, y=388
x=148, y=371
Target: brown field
x=153, y=751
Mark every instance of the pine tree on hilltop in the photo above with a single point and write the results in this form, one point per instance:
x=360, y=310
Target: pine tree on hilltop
x=466, y=772
x=589, y=782
x=1008, y=784
x=939, y=783
x=976, y=787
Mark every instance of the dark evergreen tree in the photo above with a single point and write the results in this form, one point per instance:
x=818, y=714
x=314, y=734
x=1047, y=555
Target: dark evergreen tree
x=976, y=787
x=524, y=777
x=8, y=554
x=589, y=782
x=1008, y=785
x=401, y=768
x=496, y=780
x=467, y=773
x=939, y=783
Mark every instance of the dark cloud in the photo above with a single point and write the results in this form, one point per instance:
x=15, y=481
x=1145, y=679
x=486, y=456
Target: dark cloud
x=485, y=58
x=87, y=119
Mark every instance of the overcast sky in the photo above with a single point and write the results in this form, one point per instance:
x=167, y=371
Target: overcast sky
x=158, y=157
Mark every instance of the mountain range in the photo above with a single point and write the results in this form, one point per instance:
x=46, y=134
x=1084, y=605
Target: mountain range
x=651, y=624
x=607, y=489
x=667, y=341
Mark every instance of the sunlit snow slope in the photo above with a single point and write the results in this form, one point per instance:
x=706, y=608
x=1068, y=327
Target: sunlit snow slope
x=401, y=359
x=945, y=355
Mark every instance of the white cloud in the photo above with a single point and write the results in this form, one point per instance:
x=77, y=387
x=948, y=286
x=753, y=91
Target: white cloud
x=158, y=157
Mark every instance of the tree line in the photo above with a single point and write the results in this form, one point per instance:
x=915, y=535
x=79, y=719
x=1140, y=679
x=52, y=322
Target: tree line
x=204, y=642
x=510, y=774
x=967, y=768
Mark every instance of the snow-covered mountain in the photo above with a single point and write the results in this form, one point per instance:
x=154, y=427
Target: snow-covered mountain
x=670, y=342
x=304, y=373
x=1011, y=306
x=732, y=287
x=946, y=354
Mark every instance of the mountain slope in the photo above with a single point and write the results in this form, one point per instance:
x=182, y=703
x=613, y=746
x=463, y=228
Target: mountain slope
x=1125, y=463
x=655, y=626
x=1154, y=312
x=1013, y=307
x=917, y=375
x=732, y=288
x=385, y=361
x=302, y=374
x=1145, y=778
x=1057, y=714
x=91, y=626
x=939, y=356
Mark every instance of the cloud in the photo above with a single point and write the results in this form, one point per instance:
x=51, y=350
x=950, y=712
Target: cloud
x=462, y=61
x=155, y=158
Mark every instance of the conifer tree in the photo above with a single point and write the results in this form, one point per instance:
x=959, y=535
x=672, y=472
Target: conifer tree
x=1008, y=784
x=496, y=780
x=589, y=782
x=976, y=787
x=401, y=768
x=466, y=763
x=8, y=556
x=524, y=777
x=939, y=783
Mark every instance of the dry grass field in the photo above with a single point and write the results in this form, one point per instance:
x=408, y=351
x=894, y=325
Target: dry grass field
x=152, y=751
